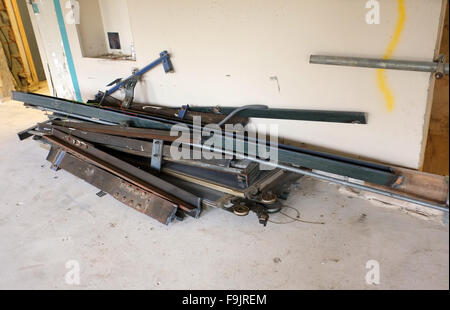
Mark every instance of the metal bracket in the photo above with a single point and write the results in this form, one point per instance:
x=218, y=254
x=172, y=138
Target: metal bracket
x=58, y=158
x=157, y=151
x=130, y=82
x=129, y=86
x=440, y=71
x=242, y=207
x=183, y=111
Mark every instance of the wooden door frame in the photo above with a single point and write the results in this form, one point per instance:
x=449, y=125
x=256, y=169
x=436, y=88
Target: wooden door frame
x=22, y=43
x=426, y=157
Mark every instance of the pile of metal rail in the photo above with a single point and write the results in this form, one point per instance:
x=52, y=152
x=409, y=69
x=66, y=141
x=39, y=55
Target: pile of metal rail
x=124, y=149
x=134, y=163
x=126, y=154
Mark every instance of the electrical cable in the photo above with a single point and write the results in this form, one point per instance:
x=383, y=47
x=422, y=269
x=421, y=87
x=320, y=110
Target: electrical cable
x=294, y=219
x=245, y=107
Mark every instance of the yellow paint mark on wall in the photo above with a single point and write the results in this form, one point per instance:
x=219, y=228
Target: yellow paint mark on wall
x=381, y=74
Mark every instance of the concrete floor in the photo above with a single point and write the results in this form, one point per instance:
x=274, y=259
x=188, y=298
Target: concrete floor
x=48, y=218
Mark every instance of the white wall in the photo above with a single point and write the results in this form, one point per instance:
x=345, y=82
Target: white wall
x=225, y=51
x=91, y=31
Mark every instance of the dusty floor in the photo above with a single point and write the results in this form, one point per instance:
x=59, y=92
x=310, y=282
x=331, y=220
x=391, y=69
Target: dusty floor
x=48, y=218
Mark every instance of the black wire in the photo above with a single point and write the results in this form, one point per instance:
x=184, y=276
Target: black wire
x=293, y=219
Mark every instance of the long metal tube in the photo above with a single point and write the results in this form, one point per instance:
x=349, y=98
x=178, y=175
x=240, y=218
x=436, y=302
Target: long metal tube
x=421, y=66
x=329, y=179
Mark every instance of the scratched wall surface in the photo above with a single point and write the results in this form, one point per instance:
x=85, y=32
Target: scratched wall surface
x=238, y=52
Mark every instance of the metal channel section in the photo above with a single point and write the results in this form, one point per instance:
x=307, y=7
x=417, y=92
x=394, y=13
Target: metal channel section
x=130, y=173
x=147, y=147
x=421, y=66
x=292, y=114
x=141, y=200
x=143, y=147
x=242, y=172
x=373, y=173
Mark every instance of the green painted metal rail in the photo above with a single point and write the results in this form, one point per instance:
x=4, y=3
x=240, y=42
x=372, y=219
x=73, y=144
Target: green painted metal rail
x=293, y=114
x=343, y=166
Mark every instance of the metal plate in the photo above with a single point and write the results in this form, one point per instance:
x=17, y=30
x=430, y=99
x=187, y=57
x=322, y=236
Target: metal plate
x=143, y=201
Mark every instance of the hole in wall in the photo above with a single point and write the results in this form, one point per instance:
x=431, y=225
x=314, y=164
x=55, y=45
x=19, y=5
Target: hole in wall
x=114, y=40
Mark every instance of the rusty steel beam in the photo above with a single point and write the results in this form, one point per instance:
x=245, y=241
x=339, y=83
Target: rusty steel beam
x=85, y=151
x=137, y=198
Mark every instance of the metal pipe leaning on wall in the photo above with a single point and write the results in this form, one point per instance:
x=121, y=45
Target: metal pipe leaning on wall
x=438, y=67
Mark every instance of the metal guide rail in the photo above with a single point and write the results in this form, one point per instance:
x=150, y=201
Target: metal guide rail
x=163, y=210
x=348, y=117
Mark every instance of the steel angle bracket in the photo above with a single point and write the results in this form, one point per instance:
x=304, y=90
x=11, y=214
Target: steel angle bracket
x=130, y=173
